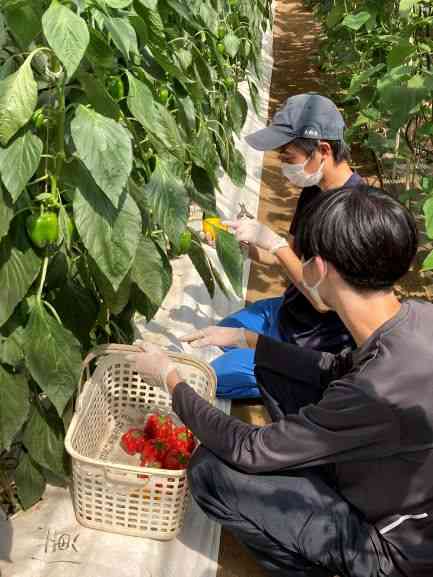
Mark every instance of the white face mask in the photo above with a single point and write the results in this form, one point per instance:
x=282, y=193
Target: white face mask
x=297, y=175
x=313, y=290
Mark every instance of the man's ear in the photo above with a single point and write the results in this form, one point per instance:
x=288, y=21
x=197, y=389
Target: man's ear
x=322, y=266
x=325, y=149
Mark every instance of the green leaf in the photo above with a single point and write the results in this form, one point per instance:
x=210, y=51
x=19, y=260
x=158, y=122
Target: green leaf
x=23, y=21
x=142, y=304
x=151, y=271
x=238, y=110
x=255, y=96
x=201, y=263
x=11, y=346
x=400, y=95
x=428, y=262
x=119, y=4
x=18, y=98
x=98, y=96
x=168, y=199
x=358, y=80
x=219, y=281
x=111, y=236
x=53, y=357
x=43, y=438
x=154, y=23
x=202, y=192
x=184, y=58
x=427, y=181
x=138, y=194
x=171, y=68
x=151, y=4
x=400, y=52
x=115, y=301
x=155, y=118
x=234, y=164
x=420, y=86
x=209, y=17
x=57, y=272
x=123, y=35
x=29, y=481
x=180, y=8
x=186, y=114
x=336, y=14
x=406, y=6
x=393, y=77
x=428, y=215
x=356, y=21
x=19, y=267
x=230, y=255
x=140, y=28
x=14, y=406
x=19, y=162
x=3, y=31
x=105, y=148
x=204, y=153
x=99, y=52
x=168, y=132
x=6, y=212
x=151, y=70
x=140, y=103
x=202, y=69
x=232, y=44
x=67, y=34
x=79, y=319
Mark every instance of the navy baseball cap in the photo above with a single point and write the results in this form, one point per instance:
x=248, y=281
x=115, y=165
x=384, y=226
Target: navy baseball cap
x=302, y=116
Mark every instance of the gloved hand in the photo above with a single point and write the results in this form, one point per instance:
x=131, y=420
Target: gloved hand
x=216, y=336
x=252, y=231
x=153, y=364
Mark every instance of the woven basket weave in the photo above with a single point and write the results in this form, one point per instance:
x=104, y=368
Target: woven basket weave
x=111, y=492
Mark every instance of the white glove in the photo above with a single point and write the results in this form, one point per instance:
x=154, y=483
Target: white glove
x=153, y=364
x=252, y=231
x=217, y=336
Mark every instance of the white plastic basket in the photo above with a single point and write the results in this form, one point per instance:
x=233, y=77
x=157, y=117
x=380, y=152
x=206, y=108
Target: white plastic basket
x=111, y=492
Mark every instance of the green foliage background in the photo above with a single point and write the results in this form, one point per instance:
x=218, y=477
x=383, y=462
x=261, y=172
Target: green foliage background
x=380, y=53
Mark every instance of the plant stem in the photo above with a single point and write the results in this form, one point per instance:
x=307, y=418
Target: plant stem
x=396, y=151
x=53, y=310
x=42, y=280
x=61, y=117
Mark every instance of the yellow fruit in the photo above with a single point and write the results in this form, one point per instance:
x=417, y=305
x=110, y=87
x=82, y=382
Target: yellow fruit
x=211, y=226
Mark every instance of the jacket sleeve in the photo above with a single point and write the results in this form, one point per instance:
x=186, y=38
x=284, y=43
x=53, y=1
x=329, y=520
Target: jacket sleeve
x=309, y=367
x=346, y=424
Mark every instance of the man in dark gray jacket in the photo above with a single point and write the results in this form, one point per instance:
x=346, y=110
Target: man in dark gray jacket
x=341, y=482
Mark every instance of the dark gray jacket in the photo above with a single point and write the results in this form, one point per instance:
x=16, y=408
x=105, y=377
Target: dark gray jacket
x=374, y=422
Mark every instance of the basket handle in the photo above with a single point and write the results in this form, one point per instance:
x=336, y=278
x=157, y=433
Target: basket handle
x=98, y=352
x=117, y=479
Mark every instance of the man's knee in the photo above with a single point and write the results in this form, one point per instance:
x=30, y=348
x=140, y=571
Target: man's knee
x=200, y=471
x=213, y=484
x=197, y=467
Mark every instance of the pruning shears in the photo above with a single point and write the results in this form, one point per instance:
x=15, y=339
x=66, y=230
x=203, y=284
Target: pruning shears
x=244, y=212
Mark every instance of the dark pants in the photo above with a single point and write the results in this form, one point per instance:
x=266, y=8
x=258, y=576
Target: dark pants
x=294, y=522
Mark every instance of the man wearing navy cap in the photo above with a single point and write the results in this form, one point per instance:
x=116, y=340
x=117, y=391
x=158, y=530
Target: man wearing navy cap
x=308, y=133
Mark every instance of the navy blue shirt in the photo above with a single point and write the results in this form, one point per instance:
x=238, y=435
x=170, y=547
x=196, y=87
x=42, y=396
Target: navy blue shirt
x=299, y=321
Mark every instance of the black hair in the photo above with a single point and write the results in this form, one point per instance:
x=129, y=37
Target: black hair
x=340, y=150
x=366, y=234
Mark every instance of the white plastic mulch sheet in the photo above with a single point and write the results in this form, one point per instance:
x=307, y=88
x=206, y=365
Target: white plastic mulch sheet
x=47, y=541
